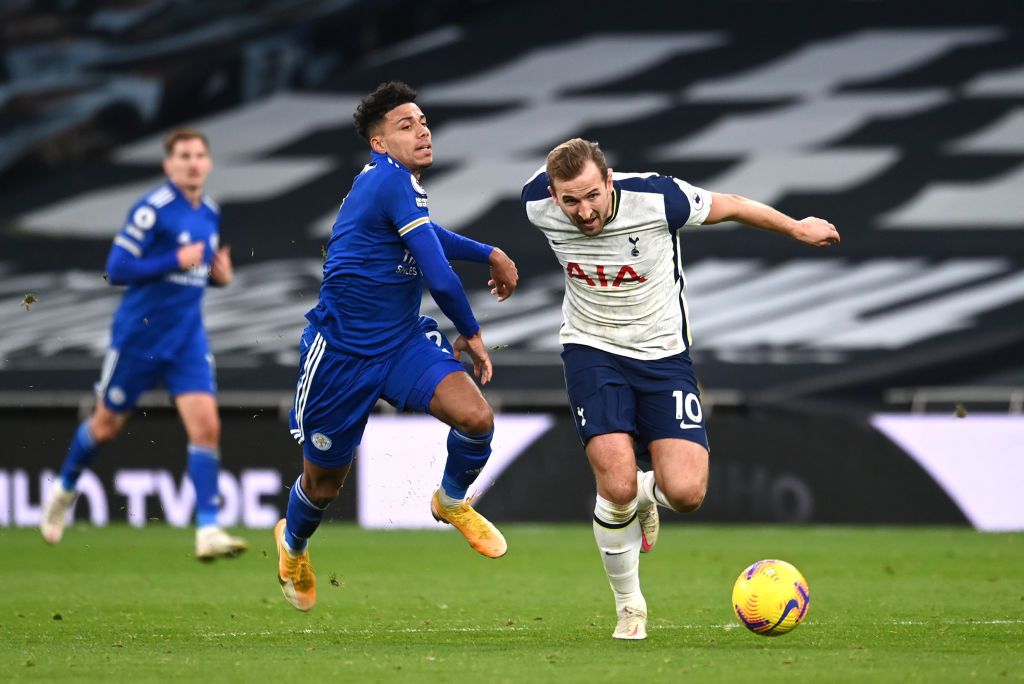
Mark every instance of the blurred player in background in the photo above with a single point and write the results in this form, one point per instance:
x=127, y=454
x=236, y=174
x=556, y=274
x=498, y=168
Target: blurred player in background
x=626, y=341
x=366, y=339
x=167, y=253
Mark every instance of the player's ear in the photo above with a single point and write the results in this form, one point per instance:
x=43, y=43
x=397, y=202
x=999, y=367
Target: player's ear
x=553, y=195
x=377, y=144
x=167, y=166
x=608, y=178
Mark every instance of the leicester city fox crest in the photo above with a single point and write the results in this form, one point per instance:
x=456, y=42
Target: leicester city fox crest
x=421, y=201
x=320, y=441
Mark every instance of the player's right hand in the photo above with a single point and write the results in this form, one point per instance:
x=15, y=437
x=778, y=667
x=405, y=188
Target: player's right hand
x=504, y=275
x=818, y=232
x=474, y=346
x=191, y=255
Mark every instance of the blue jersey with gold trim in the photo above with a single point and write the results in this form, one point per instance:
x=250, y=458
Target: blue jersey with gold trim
x=161, y=310
x=372, y=286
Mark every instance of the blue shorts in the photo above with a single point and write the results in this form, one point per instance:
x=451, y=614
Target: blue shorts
x=648, y=399
x=337, y=391
x=125, y=377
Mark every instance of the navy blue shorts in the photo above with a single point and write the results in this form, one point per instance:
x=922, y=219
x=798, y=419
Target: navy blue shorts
x=337, y=391
x=125, y=377
x=648, y=399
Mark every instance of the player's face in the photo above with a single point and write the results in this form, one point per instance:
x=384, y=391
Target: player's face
x=189, y=164
x=586, y=199
x=404, y=135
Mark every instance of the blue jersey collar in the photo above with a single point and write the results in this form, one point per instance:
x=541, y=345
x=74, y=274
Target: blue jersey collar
x=179, y=195
x=386, y=159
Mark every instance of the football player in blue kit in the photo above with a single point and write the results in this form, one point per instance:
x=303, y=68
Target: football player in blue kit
x=626, y=340
x=166, y=254
x=366, y=339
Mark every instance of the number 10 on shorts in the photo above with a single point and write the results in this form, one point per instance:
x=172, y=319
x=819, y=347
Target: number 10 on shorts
x=690, y=405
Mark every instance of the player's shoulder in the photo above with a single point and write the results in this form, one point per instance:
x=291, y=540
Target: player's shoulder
x=159, y=197
x=211, y=205
x=391, y=177
x=651, y=182
x=146, y=211
x=536, y=187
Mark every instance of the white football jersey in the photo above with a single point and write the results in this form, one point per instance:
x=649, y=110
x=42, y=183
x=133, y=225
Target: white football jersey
x=624, y=288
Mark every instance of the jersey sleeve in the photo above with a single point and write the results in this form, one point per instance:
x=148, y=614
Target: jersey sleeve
x=404, y=202
x=685, y=204
x=461, y=248
x=445, y=286
x=131, y=259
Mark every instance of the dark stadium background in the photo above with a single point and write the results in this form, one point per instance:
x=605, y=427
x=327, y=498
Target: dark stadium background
x=881, y=382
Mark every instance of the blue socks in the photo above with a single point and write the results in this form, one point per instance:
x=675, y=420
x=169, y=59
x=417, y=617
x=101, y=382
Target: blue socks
x=467, y=455
x=303, y=517
x=80, y=454
x=203, y=468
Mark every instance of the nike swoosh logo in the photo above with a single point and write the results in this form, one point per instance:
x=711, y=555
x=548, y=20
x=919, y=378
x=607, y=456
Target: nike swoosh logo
x=687, y=426
x=617, y=553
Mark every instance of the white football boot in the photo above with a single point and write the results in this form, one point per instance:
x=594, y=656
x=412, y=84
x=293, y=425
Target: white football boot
x=213, y=542
x=632, y=624
x=55, y=512
x=650, y=522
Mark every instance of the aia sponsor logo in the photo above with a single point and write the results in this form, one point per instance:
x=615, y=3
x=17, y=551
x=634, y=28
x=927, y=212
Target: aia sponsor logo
x=601, y=275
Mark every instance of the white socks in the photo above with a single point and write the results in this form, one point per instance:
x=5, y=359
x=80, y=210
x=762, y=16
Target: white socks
x=618, y=536
x=647, y=491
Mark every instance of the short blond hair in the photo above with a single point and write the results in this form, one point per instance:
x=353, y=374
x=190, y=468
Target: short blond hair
x=568, y=160
x=179, y=134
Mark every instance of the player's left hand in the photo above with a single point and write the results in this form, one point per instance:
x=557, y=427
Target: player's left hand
x=817, y=232
x=221, y=270
x=504, y=275
x=474, y=346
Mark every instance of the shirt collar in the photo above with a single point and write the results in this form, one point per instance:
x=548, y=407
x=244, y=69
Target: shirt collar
x=616, y=192
x=386, y=159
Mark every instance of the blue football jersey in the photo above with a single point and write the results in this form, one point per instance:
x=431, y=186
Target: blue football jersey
x=159, y=316
x=372, y=286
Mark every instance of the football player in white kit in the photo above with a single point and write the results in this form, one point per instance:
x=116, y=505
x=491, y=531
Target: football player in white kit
x=626, y=340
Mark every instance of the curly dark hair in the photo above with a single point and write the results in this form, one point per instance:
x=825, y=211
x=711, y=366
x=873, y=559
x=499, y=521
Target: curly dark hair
x=377, y=104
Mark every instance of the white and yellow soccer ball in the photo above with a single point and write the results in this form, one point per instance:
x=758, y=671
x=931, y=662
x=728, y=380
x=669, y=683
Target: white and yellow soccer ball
x=771, y=597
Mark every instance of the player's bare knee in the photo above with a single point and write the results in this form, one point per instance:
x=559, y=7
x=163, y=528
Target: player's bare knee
x=205, y=431
x=621, y=492
x=687, y=497
x=324, y=489
x=105, y=426
x=476, y=420
x=104, y=431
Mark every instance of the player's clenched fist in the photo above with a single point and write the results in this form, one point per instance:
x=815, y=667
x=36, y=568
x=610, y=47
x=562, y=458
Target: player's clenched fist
x=191, y=255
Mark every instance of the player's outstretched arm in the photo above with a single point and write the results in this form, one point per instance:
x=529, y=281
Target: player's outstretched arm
x=504, y=275
x=474, y=346
x=810, y=230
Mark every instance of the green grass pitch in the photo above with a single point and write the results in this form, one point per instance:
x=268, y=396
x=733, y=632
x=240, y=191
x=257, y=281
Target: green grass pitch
x=122, y=604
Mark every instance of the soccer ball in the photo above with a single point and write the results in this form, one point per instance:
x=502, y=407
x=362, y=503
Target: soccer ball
x=770, y=597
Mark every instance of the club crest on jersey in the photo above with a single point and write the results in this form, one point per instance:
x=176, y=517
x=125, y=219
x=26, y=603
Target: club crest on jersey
x=116, y=396
x=144, y=217
x=320, y=441
x=600, y=278
x=416, y=186
x=633, y=241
